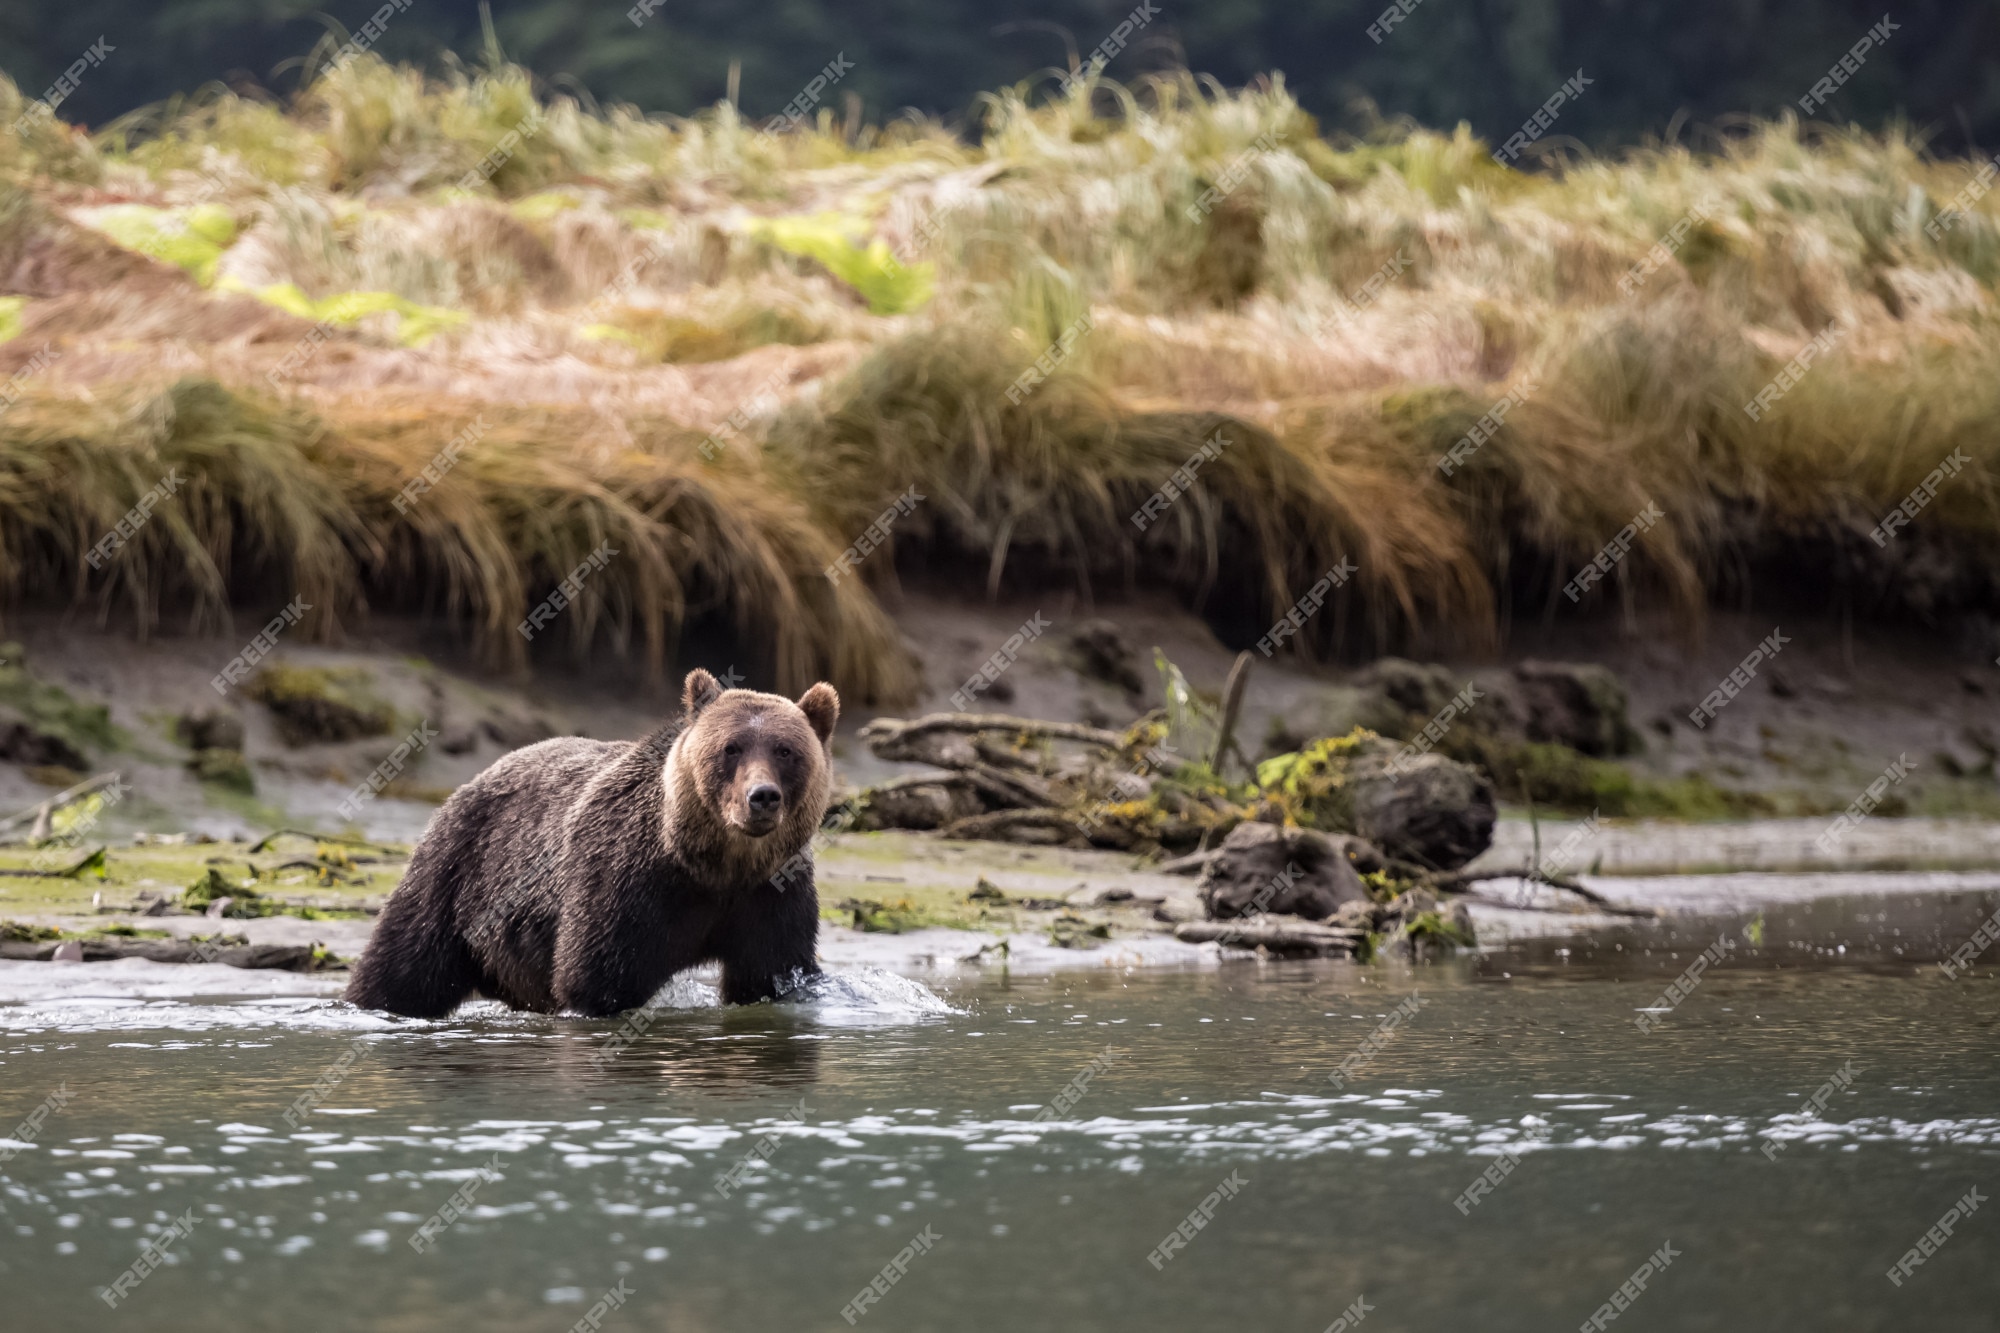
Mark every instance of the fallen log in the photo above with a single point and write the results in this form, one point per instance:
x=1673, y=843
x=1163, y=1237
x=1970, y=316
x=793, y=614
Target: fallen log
x=889, y=733
x=1307, y=937
x=998, y=825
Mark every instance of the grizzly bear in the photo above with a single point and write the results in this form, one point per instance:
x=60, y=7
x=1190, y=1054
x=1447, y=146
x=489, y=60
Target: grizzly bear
x=581, y=875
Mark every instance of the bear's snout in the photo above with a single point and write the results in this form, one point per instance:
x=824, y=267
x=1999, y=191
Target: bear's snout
x=765, y=798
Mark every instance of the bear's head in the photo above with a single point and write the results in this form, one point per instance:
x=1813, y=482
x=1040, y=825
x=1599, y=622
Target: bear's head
x=750, y=774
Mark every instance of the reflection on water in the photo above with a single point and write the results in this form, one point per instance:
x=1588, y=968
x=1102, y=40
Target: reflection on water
x=875, y=1109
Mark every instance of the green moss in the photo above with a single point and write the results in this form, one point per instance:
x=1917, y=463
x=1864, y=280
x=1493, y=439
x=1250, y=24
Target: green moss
x=213, y=885
x=416, y=324
x=192, y=239
x=1436, y=927
x=1558, y=777
x=1312, y=783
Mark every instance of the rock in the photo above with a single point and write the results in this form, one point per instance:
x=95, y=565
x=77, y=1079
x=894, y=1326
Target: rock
x=1265, y=869
x=1424, y=808
x=1578, y=704
x=517, y=730
x=226, y=768
x=1430, y=809
x=219, y=906
x=24, y=743
x=454, y=738
x=1102, y=654
x=1333, y=710
x=1414, y=687
x=69, y=951
x=212, y=729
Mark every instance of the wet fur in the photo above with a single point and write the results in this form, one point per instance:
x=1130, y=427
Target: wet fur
x=581, y=875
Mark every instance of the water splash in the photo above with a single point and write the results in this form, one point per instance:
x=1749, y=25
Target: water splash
x=866, y=996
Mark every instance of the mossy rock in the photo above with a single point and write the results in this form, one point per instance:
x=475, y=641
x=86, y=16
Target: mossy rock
x=321, y=705
x=1425, y=808
x=42, y=724
x=1579, y=704
x=214, y=729
x=225, y=768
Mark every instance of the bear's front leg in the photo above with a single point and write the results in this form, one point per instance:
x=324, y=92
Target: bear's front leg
x=615, y=951
x=768, y=940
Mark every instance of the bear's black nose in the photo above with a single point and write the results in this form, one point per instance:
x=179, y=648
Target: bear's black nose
x=765, y=799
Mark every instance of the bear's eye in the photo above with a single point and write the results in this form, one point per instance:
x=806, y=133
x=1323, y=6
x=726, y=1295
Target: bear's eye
x=731, y=750
x=784, y=752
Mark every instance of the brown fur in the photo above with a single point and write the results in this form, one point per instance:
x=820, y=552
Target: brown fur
x=582, y=875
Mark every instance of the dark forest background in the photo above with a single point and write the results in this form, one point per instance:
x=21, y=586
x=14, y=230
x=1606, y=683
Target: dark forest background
x=1657, y=65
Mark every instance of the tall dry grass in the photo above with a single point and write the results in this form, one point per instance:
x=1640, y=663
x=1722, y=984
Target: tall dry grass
x=619, y=310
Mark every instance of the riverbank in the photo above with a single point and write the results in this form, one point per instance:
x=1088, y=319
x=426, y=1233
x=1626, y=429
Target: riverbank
x=927, y=908
x=1711, y=379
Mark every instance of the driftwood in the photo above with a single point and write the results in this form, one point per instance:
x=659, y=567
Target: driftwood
x=998, y=825
x=1194, y=863
x=43, y=812
x=1232, y=708
x=349, y=839
x=887, y=733
x=1462, y=881
x=1292, y=936
x=912, y=780
x=278, y=957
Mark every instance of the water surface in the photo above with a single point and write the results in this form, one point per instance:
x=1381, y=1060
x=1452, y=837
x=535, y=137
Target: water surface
x=884, y=1110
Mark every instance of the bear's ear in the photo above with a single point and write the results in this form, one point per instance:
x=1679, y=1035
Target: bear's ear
x=699, y=691
x=822, y=708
